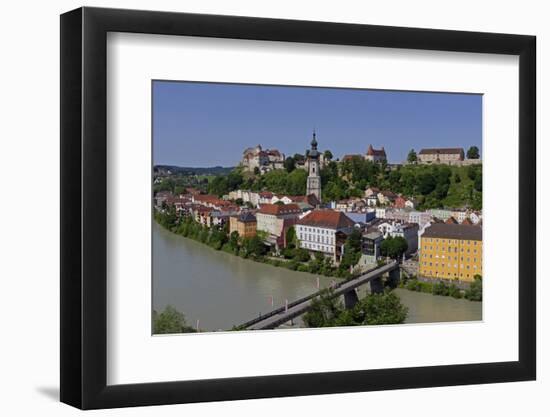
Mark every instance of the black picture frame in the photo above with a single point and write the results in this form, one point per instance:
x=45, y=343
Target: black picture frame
x=84, y=207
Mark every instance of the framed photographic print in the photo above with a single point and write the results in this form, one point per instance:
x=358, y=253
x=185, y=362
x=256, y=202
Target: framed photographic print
x=258, y=207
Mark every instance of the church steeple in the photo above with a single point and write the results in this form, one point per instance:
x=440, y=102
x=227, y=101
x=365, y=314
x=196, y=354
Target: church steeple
x=313, y=153
x=314, y=141
x=313, y=179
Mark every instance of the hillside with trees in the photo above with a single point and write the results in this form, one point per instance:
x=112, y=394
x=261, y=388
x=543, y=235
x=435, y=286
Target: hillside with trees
x=434, y=186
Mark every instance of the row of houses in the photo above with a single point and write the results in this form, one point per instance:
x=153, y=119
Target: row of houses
x=423, y=217
x=256, y=199
x=319, y=230
x=376, y=197
x=446, y=249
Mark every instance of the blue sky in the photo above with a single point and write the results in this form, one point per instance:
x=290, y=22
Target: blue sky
x=209, y=124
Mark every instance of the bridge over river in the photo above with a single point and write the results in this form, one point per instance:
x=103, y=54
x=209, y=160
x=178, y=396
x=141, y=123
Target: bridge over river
x=347, y=288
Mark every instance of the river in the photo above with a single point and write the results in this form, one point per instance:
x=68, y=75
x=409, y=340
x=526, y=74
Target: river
x=221, y=290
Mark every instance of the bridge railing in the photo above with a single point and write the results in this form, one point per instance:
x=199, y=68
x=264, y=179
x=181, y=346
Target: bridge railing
x=279, y=310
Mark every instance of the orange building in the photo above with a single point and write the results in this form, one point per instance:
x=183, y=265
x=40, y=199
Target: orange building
x=451, y=251
x=244, y=224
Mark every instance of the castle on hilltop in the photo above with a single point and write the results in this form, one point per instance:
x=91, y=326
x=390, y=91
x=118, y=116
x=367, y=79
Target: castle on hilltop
x=264, y=160
x=373, y=155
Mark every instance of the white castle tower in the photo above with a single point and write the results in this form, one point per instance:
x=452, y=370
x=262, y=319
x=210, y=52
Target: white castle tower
x=313, y=179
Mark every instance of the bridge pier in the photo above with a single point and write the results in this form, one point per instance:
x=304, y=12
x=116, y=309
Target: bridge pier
x=376, y=285
x=394, y=277
x=350, y=299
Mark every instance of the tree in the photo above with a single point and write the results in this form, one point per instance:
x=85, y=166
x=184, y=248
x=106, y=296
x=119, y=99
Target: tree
x=217, y=238
x=234, y=180
x=276, y=180
x=352, y=251
x=411, y=157
x=170, y=321
x=324, y=310
x=457, y=178
x=296, y=182
x=218, y=186
x=291, y=236
x=253, y=246
x=299, y=158
x=475, y=292
x=328, y=155
x=478, y=182
x=472, y=172
x=473, y=152
x=256, y=171
x=375, y=309
x=234, y=241
x=301, y=255
x=425, y=183
x=394, y=247
x=168, y=218
x=290, y=164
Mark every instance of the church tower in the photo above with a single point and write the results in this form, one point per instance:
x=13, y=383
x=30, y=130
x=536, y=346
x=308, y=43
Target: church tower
x=314, y=178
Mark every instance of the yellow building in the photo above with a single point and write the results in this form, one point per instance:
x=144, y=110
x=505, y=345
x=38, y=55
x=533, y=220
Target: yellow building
x=244, y=224
x=451, y=251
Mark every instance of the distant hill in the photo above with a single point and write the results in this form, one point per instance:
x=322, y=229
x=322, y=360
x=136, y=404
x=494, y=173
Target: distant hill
x=217, y=170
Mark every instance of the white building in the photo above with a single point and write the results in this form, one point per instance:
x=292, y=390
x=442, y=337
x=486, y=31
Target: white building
x=281, y=199
x=381, y=212
x=318, y=231
x=419, y=217
x=408, y=231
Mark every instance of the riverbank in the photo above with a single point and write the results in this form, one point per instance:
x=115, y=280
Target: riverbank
x=471, y=292
x=296, y=259
x=253, y=248
x=220, y=290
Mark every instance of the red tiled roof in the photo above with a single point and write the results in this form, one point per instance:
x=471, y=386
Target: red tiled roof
x=203, y=209
x=205, y=197
x=376, y=152
x=350, y=157
x=310, y=199
x=266, y=194
x=388, y=194
x=175, y=200
x=279, y=209
x=326, y=218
